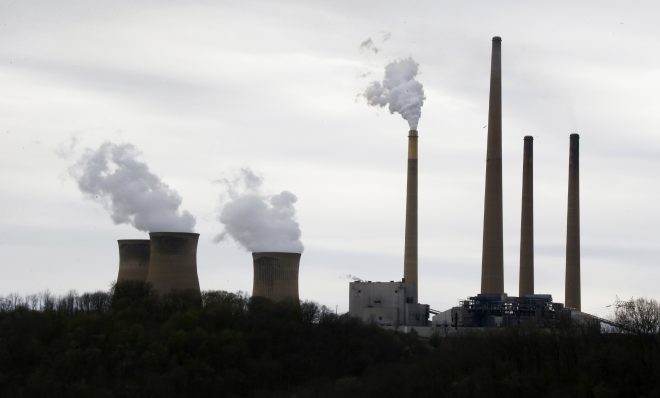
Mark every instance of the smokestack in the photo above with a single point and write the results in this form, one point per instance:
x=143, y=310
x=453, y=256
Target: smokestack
x=572, y=295
x=173, y=261
x=410, y=251
x=133, y=260
x=492, y=278
x=276, y=275
x=526, y=283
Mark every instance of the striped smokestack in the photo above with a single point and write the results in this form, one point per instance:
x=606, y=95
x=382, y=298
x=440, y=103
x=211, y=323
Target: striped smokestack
x=276, y=275
x=410, y=251
x=492, y=278
x=526, y=283
x=173, y=261
x=572, y=294
x=133, y=260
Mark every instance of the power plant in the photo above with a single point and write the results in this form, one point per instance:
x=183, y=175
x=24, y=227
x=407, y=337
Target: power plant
x=276, y=275
x=133, y=260
x=395, y=304
x=173, y=262
x=168, y=260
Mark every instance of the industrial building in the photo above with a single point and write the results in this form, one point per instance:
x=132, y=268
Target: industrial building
x=387, y=304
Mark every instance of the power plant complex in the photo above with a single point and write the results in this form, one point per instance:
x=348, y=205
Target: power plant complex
x=168, y=261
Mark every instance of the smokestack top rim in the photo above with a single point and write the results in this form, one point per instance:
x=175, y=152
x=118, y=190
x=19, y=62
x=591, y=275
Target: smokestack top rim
x=575, y=136
x=132, y=241
x=497, y=38
x=529, y=138
x=412, y=133
x=162, y=233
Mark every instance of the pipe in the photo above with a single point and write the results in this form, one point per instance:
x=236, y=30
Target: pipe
x=173, y=262
x=572, y=294
x=276, y=275
x=410, y=245
x=133, y=260
x=526, y=282
x=492, y=277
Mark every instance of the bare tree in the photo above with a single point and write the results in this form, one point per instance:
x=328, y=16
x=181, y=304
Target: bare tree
x=641, y=315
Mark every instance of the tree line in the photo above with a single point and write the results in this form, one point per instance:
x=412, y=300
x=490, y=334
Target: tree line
x=129, y=342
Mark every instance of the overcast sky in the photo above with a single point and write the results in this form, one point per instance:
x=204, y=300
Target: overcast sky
x=203, y=88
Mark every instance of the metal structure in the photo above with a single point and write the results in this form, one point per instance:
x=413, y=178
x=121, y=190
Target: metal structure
x=276, y=275
x=410, y=246
x=173, y=262
x=526, y=282
x=572, y=292
x=498, y=310
x=492, y=274
x=133, y=260
x=386, y=304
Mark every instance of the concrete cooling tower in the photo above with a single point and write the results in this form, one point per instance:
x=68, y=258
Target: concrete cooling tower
x=133, y=260
x=276, y=275
x=173, y=261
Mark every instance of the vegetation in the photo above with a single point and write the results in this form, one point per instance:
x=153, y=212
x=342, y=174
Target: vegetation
x=130, y=343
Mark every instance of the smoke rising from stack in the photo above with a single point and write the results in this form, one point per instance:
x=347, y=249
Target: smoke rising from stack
x=399, y=90
x=257, y=221
x=113, y=176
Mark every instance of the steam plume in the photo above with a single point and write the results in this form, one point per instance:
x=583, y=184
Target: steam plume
x=259, y=222
x=400, y=90
x=113, y=176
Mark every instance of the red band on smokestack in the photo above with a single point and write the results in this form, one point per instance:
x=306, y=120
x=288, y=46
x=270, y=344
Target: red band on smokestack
x=492, y=277
x=573, y=299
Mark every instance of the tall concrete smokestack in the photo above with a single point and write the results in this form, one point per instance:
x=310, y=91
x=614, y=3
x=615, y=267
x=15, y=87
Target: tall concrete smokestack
x=492, y=276
x=173, y=261
x=572, y=294
x=526, y=283
x=276, y=275
x=410, y=250
x=133, y=260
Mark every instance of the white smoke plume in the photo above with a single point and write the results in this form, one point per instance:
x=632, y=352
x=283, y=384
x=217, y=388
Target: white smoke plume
x=113, y=176
x=257, y=221
x=400, y=90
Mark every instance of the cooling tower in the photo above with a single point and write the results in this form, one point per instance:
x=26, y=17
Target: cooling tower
x=572, y=294
x=133, y=260
x=410, y=250
x=276, y=275
x=173, y=261
x=492, y=278
x=526, y=283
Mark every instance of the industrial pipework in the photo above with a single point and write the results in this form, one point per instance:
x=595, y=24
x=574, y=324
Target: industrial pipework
x=410, y=245
x=492, y=274
x=572, y=294
x=173, y=261
x=276, y=275
x=526, y=282
x=133, y=260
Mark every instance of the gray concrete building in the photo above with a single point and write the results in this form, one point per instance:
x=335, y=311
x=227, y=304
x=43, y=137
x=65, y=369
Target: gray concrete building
x=386, y=304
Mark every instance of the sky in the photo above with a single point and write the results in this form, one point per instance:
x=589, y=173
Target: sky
x=205, y=88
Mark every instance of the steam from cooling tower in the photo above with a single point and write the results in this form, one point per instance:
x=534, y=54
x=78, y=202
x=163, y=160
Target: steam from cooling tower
x=113, y=176
x=399, y=90
x=257, y=221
